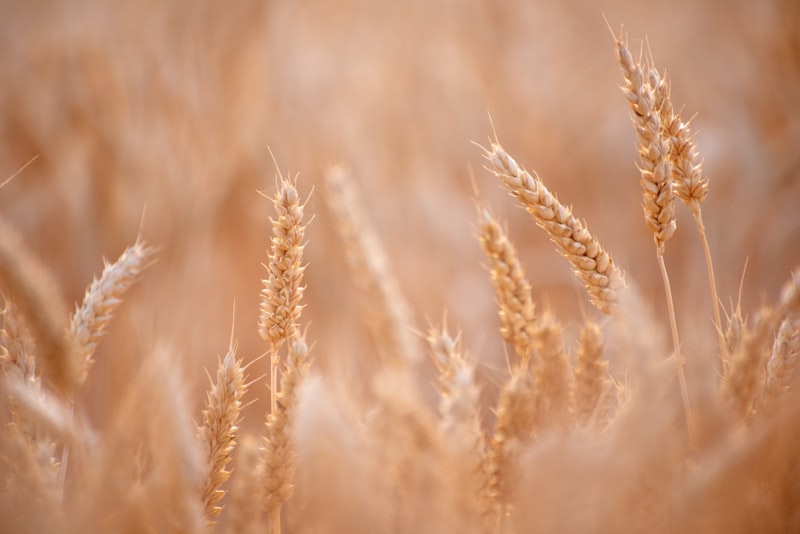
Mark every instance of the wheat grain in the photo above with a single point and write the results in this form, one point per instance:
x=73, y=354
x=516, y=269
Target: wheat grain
x=593, y=265
x=104, y=294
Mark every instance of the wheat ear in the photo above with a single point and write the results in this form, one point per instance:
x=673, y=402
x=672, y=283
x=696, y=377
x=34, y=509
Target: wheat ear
x=783, y=361
x=659, y=198
x=592, y=264
x=27, y=281
x=279, y=449
x=592, y=384
x=217, y=434
x=740, y=385
x=515, y=305
x=388, y=313
x=282, y=290
x=553, y=376
x=514, y=424
x=461, y=424
x=688, y=181
x=18, y=363
x=102, y=297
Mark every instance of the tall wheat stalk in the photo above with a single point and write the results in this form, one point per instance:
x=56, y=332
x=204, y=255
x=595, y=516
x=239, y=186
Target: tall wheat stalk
x=655, y=166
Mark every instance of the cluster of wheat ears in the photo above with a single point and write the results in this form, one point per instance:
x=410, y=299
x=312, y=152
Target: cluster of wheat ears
x=570, y=447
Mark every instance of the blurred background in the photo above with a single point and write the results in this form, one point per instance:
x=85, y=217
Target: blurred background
x=162, y=114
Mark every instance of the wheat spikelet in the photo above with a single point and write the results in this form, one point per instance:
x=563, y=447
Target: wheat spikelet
x=388, y=313
x=592, y=384
x=280, y=307
x=217, y=435
x=515, y=305
x=654, y=162
x=38, y=299
x=278, y=448
x=592, y=264
x=782, y=363
x=102, y=297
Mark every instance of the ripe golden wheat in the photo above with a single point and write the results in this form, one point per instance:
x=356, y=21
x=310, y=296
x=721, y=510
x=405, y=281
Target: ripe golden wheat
x=605, y=434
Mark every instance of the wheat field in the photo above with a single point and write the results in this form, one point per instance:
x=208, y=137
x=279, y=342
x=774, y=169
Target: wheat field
x=363, y=267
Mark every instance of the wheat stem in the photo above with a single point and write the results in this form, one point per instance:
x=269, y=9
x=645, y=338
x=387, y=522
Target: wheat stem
x=676, y=347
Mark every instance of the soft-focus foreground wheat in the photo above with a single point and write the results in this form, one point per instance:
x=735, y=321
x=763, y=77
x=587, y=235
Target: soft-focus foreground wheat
x=571, y=444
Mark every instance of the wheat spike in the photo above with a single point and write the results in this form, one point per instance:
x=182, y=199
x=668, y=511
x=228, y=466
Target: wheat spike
x=217, y=434
x=102, y=297
x=592, y=384
x=36, y=295
x=553, y=376
x=654, y=161
x=783, y=361
x=280, y=308
x=593, y=265
x=741, y=383
x=461, y=425
x=388, y=313
x=515, y=305
x=278, y=449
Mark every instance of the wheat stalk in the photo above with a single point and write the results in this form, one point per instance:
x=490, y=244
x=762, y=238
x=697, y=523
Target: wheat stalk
x=104, y=294
x=593, y=265
x=217, y=434
x=280, y=308
x=655, y=167
x=688, y=181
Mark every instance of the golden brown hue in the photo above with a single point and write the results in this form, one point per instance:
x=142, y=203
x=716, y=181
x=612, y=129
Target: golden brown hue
x=585, y=433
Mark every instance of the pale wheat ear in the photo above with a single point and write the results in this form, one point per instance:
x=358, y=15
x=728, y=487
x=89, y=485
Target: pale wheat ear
x=388, y=314
x=513, y=291
x=104, y=294
x=593, y=266
x=217, y=434
x=38, y=298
